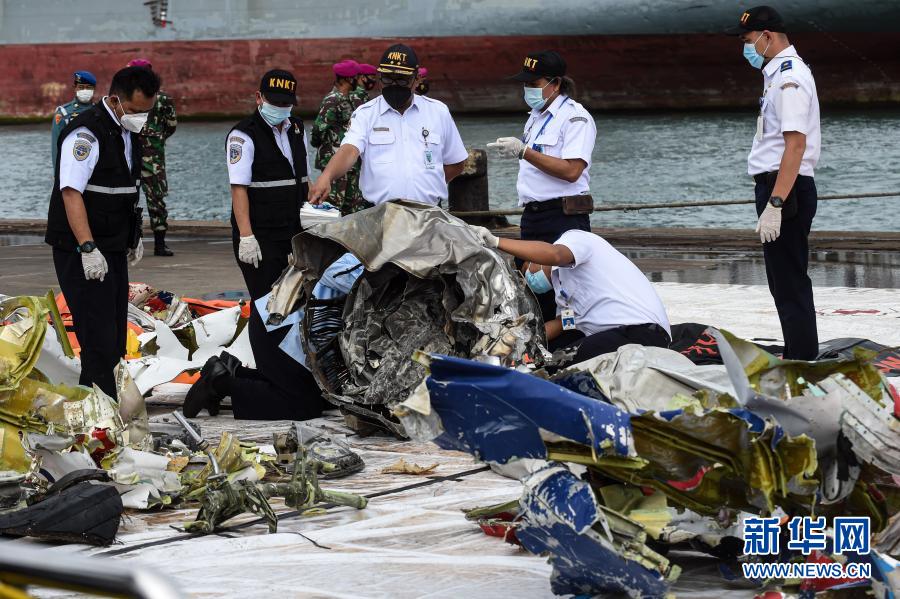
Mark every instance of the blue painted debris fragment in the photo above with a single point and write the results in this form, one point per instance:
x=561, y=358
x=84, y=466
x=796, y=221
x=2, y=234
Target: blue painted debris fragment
x=561, y=518
x=496, y=413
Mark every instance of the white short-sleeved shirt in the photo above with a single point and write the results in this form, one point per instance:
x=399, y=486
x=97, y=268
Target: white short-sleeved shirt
x=239, y=151
x=565, y=130
x=403, y=155
x=789, y=103
x=603, y=287
x=80, y=152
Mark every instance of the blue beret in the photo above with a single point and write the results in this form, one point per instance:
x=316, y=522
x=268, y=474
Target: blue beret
x=85, y=77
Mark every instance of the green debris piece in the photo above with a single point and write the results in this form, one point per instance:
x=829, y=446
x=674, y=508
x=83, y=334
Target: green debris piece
x=58, y=325
x=490, y=511
x=650, y=511
x=24, y=324
x=222, y=499
x=789, y=378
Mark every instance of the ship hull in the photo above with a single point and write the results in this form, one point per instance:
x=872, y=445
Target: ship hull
x=684, y=71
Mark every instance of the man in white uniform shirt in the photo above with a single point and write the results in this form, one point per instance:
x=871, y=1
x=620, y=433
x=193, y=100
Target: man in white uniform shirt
x=409, y=144
x=93, y=223
x=267, y=169
x=782, y=161
x=602, y=300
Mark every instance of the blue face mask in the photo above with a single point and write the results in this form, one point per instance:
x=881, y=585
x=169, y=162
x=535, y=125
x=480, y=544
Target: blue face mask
x=755, y=59
x=274, y=115
x=538, y=281
x=534, y=97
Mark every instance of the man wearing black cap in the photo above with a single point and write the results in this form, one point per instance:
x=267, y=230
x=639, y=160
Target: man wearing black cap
x=554, y=153
x=267, y=169
x=409, y=144
x=782, y=161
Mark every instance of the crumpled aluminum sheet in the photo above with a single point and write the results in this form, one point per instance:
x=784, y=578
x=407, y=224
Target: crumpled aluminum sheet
x=637, y=378
x=429, y=285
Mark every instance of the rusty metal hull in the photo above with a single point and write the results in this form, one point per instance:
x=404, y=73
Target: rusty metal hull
x=680, y=71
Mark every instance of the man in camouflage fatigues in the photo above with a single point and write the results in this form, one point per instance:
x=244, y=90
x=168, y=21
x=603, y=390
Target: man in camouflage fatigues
x=161, y=124
x=365, y=83
x=328, y=131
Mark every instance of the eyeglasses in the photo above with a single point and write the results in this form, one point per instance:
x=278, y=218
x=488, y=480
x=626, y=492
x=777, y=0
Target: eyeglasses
x=388, y=80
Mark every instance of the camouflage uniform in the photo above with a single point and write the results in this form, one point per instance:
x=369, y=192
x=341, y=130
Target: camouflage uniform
x=328, y=131
x=358, y=97
x=160, y=125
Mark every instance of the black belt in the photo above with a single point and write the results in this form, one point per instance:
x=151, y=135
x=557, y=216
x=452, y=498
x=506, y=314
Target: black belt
x=543, y=206
x=770, y=176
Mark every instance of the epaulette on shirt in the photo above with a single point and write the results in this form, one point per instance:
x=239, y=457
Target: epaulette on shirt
x=787, y=65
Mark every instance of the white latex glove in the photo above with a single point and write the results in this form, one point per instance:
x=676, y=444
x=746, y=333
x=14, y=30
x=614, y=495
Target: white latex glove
x=94, y=265
x=769, y=225
x=509, y=147
x=135, y=255
x=488, y=239
x=249, y=252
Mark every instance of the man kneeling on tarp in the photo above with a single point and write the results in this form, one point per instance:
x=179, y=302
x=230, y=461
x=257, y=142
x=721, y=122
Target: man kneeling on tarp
x=280, y=387
x=602, y=300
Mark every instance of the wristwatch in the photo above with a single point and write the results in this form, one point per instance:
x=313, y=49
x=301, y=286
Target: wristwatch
x=776, y=201
x=87, y=247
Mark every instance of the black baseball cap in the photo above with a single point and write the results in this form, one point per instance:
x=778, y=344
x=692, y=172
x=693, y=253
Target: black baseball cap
x=759, y=18
x=399, y=59
x=547, y=64
x=279, y=86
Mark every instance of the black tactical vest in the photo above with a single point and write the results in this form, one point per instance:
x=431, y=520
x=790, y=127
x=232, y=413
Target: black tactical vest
x=111, y=194
x=276, y=192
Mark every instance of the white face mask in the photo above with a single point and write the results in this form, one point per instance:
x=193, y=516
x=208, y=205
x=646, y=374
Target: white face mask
x=132, y=122
x=84, y=95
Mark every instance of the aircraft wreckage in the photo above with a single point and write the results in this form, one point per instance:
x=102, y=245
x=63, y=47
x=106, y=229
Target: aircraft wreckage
x=624, y=459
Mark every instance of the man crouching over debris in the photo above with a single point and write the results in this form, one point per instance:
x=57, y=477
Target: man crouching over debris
x=602, y=300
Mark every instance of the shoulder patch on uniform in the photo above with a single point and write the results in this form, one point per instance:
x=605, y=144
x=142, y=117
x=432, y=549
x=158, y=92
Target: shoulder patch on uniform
x=235, y=151
x=381, y=128
x=789, y=84
x=578, y=119
x=236, y=139
x=87, y=136
x=81, y=150
x=787, y=65
x=58, y=118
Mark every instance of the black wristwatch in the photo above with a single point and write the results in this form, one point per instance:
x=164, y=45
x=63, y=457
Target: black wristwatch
x=776, y=201
x=86, y=248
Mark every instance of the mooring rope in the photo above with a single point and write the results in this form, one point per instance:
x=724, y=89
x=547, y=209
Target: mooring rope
x=695, y=204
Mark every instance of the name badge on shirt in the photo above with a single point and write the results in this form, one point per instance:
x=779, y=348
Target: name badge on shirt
x=568, y=319
x=429, y=160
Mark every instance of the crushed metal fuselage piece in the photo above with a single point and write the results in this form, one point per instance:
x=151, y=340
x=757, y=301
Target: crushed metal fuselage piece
x=443, y=293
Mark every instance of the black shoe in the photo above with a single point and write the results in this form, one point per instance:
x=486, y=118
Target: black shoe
x=230, y=363
x=203, y=393
x=159, y=244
